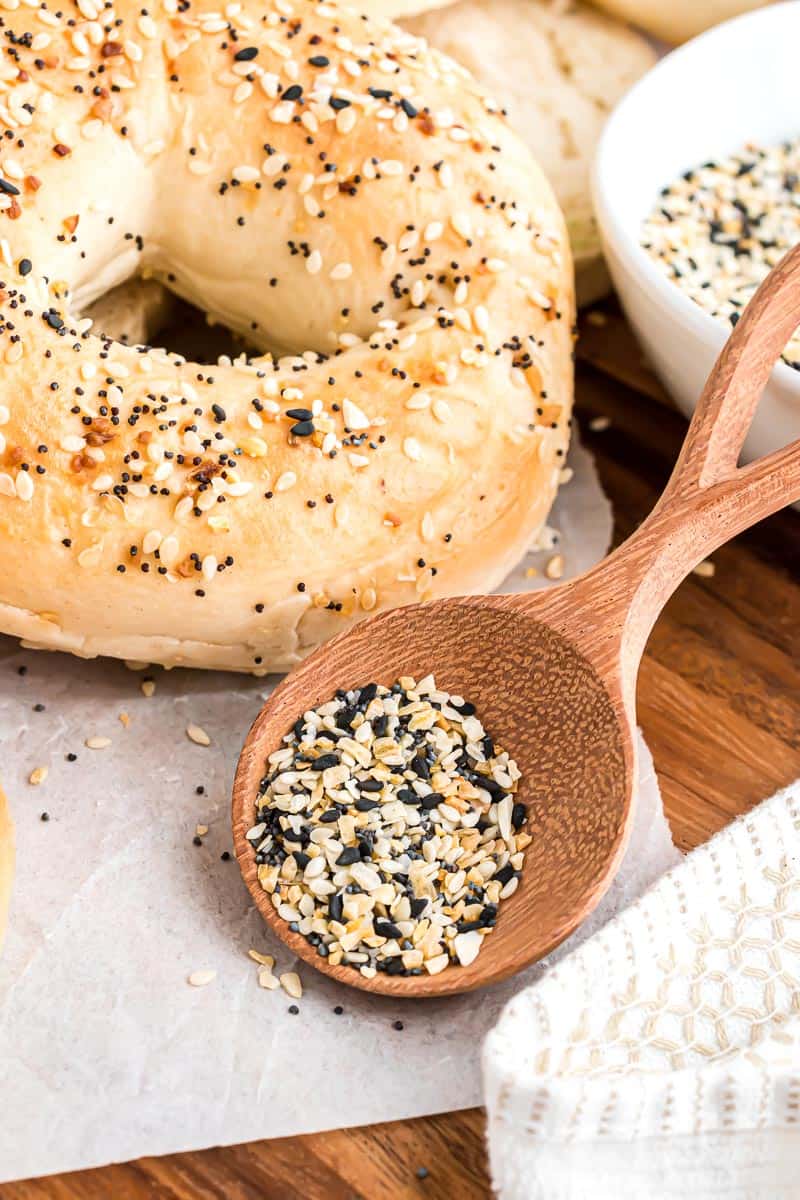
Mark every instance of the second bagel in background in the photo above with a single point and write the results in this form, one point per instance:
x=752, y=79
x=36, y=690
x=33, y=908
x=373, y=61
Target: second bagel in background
x=676, y=20
x=558, y=73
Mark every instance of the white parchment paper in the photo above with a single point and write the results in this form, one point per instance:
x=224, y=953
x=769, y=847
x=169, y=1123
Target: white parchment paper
x=106, y=1052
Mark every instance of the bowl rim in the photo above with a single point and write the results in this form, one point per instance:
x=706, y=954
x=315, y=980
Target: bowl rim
x=623, y=243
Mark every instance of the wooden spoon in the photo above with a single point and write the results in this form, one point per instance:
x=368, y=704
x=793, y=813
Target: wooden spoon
x=553, y=673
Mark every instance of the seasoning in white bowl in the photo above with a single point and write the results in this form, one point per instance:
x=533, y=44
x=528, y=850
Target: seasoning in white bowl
x=387, y=829
x=719, y=229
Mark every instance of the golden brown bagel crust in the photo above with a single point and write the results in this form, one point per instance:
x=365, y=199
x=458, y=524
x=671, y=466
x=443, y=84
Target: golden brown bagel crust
x=314, y=180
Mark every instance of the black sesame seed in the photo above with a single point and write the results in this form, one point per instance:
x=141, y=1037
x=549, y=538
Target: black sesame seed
x=386, y=929
x=324, y=761
x=350, y=855
x=366, y=805
x=370, y=785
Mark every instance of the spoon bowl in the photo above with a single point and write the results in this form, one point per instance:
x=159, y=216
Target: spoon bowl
x=540, y=699
x=553, y=674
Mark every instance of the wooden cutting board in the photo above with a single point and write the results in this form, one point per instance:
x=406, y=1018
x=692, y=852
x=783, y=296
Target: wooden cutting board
x=719, y=702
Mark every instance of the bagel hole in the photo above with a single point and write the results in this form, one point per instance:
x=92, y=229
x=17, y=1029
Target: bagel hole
x=145, y=312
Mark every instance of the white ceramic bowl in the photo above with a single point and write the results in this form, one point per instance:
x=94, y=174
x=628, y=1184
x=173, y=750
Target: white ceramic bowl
x=739, y=82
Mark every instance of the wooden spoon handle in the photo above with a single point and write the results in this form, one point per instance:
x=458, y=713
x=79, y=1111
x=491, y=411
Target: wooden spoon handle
x=709, y=458
x=708, y=499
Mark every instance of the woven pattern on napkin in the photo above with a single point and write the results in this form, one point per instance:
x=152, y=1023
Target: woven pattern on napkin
x=678, y=1022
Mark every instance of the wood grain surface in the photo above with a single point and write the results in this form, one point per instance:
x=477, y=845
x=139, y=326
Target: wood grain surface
x=719, y=702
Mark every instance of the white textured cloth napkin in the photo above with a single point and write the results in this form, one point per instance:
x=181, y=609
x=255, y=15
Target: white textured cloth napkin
x=662, y=1058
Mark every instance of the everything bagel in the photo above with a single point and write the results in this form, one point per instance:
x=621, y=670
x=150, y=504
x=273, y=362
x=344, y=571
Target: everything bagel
x=328, y=187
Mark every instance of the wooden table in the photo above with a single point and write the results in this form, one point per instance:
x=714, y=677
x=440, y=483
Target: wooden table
x=719, y=701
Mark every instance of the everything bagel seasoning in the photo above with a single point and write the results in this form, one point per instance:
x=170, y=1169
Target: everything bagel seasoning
x=387, y=829
x=719, y=229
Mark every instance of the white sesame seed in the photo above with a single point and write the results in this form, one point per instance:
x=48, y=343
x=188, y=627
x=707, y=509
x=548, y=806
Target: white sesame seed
x=555, y=567
x=412, y=449
x=285, y=481
x=354, y=418
x=345, y=120
x=197, y=735
x=290, y=982
x=599, y=424
x=202, y=978
x=240, y=488
x=282, y=113
x=245, y=174
x=467, y=945
x=24, y=486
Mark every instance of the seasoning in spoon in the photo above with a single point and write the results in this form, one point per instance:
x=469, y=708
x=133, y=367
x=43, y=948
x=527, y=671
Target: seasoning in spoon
x=387, y=830
x=719, y=229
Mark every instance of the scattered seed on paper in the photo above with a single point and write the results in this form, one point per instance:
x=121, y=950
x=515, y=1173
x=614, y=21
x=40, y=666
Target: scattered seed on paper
x=201, y=978
x=97, y=743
